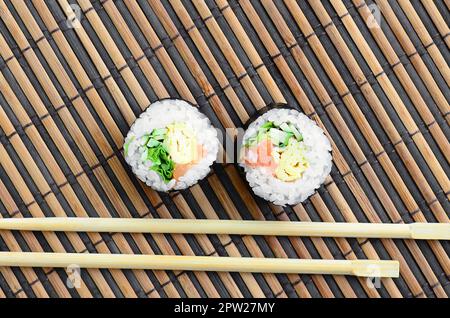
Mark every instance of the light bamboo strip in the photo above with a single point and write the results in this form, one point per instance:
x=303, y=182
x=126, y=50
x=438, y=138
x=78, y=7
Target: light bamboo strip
x=361, y=268
x=426, y=231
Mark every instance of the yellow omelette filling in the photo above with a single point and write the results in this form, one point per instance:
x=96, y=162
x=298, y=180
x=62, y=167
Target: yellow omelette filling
x=181, y=143
x=291, y=162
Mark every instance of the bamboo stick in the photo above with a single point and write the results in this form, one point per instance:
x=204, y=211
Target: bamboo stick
x=422, y=231
x=362, y=268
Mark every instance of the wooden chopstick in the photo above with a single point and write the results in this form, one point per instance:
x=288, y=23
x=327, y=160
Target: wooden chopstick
x=362, y=268
x=428, y=231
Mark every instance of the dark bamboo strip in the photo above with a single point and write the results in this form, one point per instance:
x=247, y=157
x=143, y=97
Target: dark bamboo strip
x=447, y=3
x=443, y=9
x=14, y=285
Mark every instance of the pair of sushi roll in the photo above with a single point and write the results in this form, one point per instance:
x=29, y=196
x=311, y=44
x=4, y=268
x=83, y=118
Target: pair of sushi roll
x=171, y=146
x=285, y=155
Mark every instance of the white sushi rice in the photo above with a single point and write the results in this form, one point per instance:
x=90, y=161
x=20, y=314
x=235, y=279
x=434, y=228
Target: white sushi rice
x=317, y=153
x=159, y=115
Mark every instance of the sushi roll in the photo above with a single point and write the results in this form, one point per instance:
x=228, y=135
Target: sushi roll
x=171, y=146
x=285, y=155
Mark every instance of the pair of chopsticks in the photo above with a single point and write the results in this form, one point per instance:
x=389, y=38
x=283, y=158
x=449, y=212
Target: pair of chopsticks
x=362, y=268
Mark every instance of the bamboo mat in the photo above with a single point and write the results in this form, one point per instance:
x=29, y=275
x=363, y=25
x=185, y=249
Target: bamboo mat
x=74, y=76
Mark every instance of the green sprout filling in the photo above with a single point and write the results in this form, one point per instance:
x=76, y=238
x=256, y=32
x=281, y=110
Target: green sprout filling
x=157, y=153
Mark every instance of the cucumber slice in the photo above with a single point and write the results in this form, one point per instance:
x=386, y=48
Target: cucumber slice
x=159, y=137
x=296, y=133
x=277, y=136
x=285, y=127
x=144, y=139
x=286, y=139
x=267, y=125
